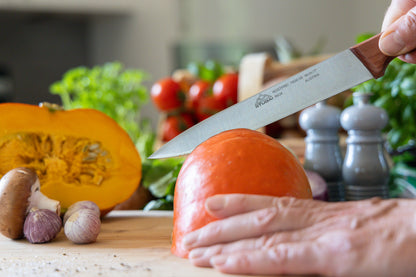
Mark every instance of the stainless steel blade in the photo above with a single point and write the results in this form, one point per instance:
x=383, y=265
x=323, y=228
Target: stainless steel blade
x=323, y=80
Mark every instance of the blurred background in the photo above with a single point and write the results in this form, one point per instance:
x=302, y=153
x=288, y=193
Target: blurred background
x=42, y=39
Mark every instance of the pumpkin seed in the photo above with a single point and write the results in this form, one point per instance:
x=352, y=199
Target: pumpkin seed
x=56, y=158
x=94, y=146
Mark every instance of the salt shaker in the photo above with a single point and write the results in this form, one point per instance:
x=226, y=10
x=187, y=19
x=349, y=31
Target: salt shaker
x=322, y=150
x=365, y=170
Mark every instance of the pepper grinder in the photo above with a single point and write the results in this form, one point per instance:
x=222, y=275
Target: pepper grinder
x=365, y=170
x=322, y=150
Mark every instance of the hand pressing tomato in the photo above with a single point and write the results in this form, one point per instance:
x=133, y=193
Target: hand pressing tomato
x=202, y=100
x=238, y=161
x=176, y=124
x=167, y=95
x=225, y=89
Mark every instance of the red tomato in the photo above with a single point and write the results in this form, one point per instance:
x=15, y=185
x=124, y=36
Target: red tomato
x=167, y=95
x=208, y=106
x=197, y=91
x=176, y=124
x=234, y=161
x=202, y=100
x=225, y=89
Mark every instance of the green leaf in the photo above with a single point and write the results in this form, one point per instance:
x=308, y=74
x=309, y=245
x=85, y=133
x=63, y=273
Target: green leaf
x=384, y=102
x=408, y=116
x=364, y=36
x=115, y=91
x=408, y=86
x=396, y=93
x=159, y=204
x=405, y=158
x=403, y=170
x=160, y=179
x=395, y=137
x=209, y=71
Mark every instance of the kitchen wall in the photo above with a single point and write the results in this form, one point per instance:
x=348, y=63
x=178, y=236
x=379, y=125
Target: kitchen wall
x=36, y=49
x=146, y=33
x=148, y=39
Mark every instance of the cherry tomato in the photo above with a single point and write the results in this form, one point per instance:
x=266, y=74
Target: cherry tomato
x=176, y=124
x=167, y=95
x=202, y=101
x=225, y=89
x=198, y=91
x=208, y=106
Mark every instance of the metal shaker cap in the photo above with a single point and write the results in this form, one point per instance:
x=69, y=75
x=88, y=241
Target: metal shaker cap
x=363, y=115
x=320, y=116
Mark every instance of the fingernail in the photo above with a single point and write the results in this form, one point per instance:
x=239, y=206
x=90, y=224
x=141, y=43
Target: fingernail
x=218, y=260
x=392, y=44
x=189, y=240
x=196, y=253
x=215, y=203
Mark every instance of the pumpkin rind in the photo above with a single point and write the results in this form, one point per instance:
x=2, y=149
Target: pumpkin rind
x=235, y=161
x=79, y=154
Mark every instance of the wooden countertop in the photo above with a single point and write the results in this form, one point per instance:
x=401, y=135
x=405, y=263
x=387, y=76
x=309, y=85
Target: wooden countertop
x=131, y=243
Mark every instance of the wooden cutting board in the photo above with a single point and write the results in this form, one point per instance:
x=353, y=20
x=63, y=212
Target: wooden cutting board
x=131, y=243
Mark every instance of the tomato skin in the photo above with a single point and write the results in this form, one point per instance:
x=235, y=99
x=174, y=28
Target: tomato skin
x=167, y=95
x=196, y=92
x=225, y=89
x=202, y=101
x=176, y=124
x=235, y=161
x=208, y=106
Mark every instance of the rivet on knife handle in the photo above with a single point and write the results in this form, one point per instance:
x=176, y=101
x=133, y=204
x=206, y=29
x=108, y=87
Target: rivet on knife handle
x=370, y=55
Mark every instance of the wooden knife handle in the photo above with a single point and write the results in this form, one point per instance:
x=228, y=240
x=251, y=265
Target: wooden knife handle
x=371, y=56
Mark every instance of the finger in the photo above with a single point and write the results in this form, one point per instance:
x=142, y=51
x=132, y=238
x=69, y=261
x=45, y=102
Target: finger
x=201, y=256
x=398, y=38
x=270, y=220
x=250, y=225
x=409, y=57
x=226, y=205
x=396, y=10
x=289, y=258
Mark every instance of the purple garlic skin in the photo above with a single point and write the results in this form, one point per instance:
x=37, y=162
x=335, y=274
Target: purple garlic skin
x=86, y=204
x=83, y=226
x=41, y=225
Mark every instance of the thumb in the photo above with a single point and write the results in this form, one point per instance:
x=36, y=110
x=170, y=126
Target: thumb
x=400, y=37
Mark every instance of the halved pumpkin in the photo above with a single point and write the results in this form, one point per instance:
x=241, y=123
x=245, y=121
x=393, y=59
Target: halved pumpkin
x=79, y=154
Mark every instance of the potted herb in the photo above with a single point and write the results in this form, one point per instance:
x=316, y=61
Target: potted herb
x=395, y=92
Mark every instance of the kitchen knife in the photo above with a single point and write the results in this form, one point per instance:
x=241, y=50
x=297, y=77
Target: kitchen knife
x=343, y=71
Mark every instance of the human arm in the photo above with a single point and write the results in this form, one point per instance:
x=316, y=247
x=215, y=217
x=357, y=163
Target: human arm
x=270, y=235
x=399, y=30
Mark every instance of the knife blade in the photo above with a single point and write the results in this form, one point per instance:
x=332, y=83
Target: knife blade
x=340, y=72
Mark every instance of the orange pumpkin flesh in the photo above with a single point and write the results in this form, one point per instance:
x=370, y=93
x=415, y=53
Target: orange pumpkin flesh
x=235, y=161
x=79, y=154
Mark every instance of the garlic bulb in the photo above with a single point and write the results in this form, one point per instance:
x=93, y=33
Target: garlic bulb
x=83, y=226
x=41, y=225
x=81, y=205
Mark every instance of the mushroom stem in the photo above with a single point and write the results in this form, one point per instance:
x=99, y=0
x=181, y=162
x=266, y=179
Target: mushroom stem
x=41, y=201
x=19, y=192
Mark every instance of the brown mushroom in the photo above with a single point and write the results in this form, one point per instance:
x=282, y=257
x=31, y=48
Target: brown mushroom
x=19, y=192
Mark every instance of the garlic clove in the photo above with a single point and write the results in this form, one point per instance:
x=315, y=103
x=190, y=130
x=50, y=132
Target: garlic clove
x=41, y=225
x=86, y=204
x=83, y=226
